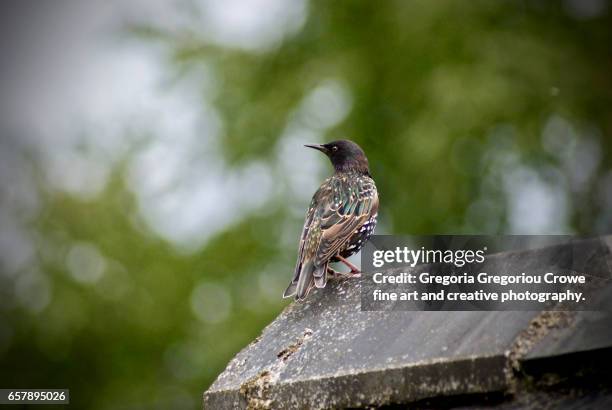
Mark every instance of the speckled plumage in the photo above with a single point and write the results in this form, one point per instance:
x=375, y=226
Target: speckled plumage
x=340, y=219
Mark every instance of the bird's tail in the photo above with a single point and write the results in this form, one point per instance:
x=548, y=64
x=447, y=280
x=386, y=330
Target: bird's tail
x=291, y=289
x=309, y=277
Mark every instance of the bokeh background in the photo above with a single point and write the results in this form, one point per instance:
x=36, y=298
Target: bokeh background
x=153, y=181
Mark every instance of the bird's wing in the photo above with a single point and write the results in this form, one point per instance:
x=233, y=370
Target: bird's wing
x=310, y=234
x=308, y=226
x=352, y=206
x=337, y=210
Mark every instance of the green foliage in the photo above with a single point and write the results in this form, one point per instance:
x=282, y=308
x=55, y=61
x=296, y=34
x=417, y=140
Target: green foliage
x=438, y=89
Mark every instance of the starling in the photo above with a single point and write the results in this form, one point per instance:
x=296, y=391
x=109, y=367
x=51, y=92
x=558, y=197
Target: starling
x=340, y=219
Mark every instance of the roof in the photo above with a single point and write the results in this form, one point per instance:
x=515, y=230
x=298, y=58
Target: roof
x=327, y=353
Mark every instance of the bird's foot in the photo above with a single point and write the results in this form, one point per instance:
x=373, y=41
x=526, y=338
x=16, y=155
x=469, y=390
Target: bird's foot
x=347, y=275
x=333, y=273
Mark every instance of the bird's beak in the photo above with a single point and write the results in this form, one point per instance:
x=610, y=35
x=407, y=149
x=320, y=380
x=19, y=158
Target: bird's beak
x=321, y=148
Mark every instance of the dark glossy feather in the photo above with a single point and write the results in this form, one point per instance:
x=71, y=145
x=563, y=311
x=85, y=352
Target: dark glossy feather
x=343, y=204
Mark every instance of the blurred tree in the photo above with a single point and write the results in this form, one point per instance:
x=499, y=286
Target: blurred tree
x=477, y=117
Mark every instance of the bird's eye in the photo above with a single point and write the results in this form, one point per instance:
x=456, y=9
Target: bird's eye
x=335, y=148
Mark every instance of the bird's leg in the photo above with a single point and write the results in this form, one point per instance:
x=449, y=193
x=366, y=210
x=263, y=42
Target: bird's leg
x=354, y=270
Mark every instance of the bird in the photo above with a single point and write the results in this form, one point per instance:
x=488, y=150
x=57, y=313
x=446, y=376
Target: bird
x=339, y=221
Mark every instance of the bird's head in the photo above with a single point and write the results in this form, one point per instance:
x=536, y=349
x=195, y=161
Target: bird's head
x=345, y=156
